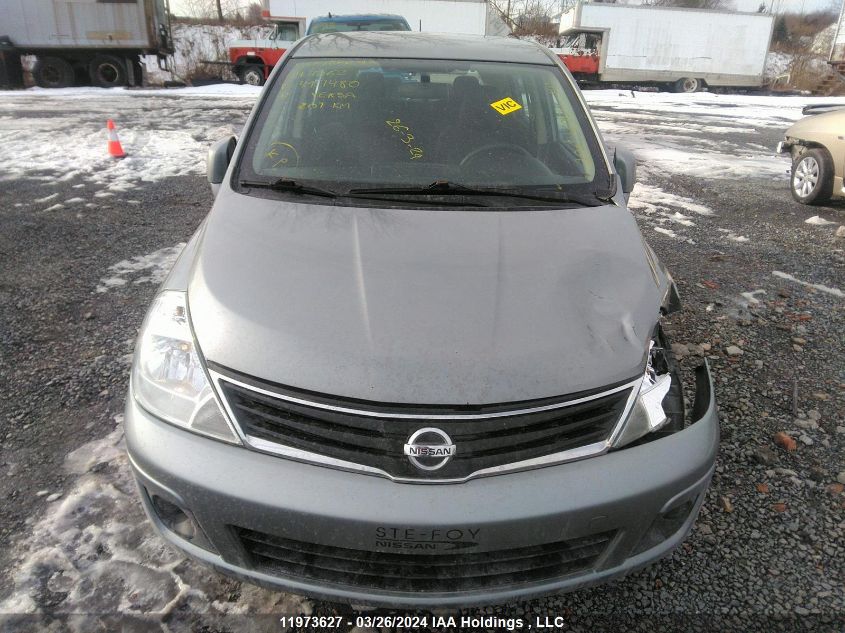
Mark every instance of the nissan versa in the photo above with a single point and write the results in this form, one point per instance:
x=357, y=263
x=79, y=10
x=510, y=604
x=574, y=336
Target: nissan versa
x=413, y=356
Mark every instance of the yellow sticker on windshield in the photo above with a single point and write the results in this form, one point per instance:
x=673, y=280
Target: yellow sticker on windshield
x=505, y=106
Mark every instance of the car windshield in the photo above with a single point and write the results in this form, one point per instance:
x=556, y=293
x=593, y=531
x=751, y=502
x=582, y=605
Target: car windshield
x=344, y=26
x=381, y=123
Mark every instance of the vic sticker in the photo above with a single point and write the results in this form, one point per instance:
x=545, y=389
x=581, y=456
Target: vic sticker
x=505, y=106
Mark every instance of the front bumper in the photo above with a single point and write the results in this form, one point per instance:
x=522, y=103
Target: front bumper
x=785, y=146
x=623, y=494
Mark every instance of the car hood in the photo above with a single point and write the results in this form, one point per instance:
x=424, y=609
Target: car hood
x=824, y=123
x=424, y=306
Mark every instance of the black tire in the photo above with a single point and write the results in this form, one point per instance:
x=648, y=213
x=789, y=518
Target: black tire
x=811, y=181
x=251, y=74
x=688, y=85
x=53, y=72
x=107, y=71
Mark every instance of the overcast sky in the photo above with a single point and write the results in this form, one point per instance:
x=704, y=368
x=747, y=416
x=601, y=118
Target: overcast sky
x=789, y=5
x=178, y=6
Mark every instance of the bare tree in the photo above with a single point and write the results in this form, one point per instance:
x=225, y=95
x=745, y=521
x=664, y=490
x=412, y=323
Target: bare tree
x=220, y=9
x=197, y=8
x=526, y=14
x=253, y=13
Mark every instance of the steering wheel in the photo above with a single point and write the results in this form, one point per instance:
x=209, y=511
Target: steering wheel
x=509, y=148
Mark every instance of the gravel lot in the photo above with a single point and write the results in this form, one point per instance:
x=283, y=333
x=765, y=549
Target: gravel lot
x=83, y=245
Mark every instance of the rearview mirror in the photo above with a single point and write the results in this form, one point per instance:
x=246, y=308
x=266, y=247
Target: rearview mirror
x=626, y=166
x=217, y=163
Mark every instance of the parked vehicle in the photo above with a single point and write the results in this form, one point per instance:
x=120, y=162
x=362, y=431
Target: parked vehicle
x=253, y=60
x=682, y=49
x=346, y=23
x=86, y=42
x=473, y=17
x=416, y=359
x=817, y=148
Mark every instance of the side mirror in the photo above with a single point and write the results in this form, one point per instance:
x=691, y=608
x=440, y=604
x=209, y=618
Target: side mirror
x=626, y=166
x=217, y=162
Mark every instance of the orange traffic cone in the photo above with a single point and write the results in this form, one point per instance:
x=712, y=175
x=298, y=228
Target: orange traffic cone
x=115, y=148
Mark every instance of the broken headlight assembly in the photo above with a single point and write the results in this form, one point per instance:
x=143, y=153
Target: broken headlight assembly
x=168, y=377
x=659, y=405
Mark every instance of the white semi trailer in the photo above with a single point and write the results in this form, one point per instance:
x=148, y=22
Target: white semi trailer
x=685, y=49
x=82, y=41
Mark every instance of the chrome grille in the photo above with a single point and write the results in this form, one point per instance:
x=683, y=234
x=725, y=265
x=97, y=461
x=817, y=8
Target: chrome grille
x=372, y=435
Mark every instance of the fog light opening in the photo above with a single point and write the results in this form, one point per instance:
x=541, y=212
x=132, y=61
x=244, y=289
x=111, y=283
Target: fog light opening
x=174, y=518
x=665, y=526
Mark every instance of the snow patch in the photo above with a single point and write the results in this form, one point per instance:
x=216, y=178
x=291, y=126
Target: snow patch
x=750, y=297
x=89, y=92
x=673, y=133
x=160, y=140
x=836, y=292
x=818, y=221
x=733, y=237
x=679, y=218
x=664, y=231
x=95, y=552
x=155, y=267
x=649, y=199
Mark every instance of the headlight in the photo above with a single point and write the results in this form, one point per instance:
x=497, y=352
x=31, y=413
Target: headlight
x=647, y=414
x=168, y=378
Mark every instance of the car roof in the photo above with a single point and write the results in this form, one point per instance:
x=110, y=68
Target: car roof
x=416, y=45
x=359, y=17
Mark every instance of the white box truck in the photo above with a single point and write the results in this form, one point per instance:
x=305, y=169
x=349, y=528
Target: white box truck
x=84, y=41
x=685, y=49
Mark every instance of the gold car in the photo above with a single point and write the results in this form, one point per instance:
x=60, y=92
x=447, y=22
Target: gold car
x=817, y=146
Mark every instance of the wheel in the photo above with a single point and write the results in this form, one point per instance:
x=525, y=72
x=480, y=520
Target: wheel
x=107, y=71
x=812, y=176
x=53, y=72
x=687, y=84
x=252, y=75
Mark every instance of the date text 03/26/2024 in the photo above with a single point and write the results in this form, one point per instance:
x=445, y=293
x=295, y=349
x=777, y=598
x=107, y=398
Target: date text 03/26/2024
x=411, y=622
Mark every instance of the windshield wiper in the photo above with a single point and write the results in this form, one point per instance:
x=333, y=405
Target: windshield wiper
x=291, y=186
x=446, y=188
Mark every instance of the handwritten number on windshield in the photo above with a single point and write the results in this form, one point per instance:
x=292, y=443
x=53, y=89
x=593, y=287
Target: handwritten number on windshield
x=406, y=137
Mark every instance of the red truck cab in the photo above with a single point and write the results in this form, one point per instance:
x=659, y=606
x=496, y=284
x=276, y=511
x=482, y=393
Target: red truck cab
x=252, y=60
x=580, y=53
